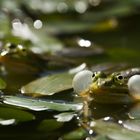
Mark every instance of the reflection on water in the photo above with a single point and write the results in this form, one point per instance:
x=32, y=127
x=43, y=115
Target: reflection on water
x=66, y=34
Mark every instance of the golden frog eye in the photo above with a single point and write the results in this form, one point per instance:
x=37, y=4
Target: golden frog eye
x=120, y=77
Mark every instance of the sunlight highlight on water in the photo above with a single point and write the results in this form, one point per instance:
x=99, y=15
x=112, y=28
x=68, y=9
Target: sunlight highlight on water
x=84, y=43
x=95, y=2
x=80, y=6
x=38, y=24
x=62, y=7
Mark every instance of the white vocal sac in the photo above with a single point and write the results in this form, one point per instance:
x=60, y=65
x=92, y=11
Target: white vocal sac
x=82, y=80
x=134, y=86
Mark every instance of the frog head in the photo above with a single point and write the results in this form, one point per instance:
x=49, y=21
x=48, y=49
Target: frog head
x=108, y=82
x=13, y=49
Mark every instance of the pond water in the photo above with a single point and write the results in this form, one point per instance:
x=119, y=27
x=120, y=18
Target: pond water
x=50, y=38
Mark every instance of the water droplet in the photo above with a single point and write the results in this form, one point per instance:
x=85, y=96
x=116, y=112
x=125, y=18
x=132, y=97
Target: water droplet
x=16, y=24
x=90, y=131
x=120, y=121
x=92, y=124
x=88, y=138
x=77, y=118
x=106, y=118
x=84, y=43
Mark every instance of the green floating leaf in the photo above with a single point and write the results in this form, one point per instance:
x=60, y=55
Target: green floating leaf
x=65, y=117
x=41, y=42
x=49, y=85
x=114, y=131
x=100, y=137
x=77, y=134
x=49, y=125
x=40, y=105
x=39, y=46
x=10, y=115
x=133, y=125
x=2, y=84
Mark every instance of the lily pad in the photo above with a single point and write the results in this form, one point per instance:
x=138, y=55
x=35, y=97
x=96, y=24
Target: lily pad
x=114, y=131
x=40, y=105
x=133, y=125
x=41, y=43
x=49, y=85
x=77, y=134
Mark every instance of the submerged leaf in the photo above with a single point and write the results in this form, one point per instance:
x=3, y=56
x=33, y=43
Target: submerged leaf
x=40, y=105
x=49, y=125
x=2, y=84
x=49, y=85
x=8, y=114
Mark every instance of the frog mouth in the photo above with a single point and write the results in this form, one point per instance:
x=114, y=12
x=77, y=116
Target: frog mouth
x=103, y=88
x=111, y=95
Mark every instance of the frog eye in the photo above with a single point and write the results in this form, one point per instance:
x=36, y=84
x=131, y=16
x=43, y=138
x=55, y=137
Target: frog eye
x=82, y=80
x=120, y=77
x=11, y=46
x=134, y=86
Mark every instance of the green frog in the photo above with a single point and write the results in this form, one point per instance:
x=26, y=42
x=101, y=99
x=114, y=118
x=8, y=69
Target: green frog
x=18, y=59
x=105, y=88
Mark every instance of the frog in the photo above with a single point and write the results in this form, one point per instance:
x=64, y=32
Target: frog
x=13, y=49
x=17, y=58
x=104, y=88
x=109, y=88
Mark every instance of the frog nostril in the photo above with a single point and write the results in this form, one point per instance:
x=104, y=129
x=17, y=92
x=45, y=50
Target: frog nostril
x=93, y=75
